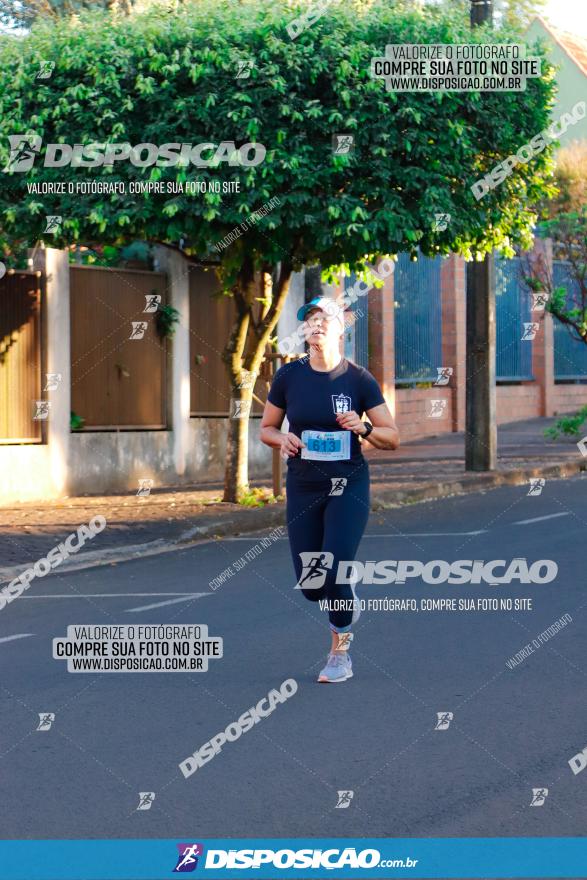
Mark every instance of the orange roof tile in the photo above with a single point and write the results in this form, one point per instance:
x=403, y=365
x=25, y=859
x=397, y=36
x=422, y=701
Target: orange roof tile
x=574, y=45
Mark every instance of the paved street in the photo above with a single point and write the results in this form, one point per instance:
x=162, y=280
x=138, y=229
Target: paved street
x=115, y=735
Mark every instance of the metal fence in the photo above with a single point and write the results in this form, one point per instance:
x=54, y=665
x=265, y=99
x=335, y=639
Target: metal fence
x=418, y=319
x=118, y=369
x=512, y=309
x=356, y=337
x=21, y=419
x=570, y=354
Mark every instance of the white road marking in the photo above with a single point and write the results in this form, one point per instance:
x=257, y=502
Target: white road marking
x=19, y=636
x=393, y=535
x=101, y=595
x=427, y=534
x=523, y=522
x=169, y=602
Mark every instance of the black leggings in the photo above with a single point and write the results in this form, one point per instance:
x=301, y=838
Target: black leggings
x=319, y=522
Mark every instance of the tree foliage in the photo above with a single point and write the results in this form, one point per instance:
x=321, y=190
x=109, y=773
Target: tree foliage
x=19, y=14
x=565, y=224
x=570, y=178
x=173, y=74
x=515, y=14
x=168, y=75
x=567, y=302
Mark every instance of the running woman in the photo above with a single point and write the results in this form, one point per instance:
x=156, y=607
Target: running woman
x=324, y=396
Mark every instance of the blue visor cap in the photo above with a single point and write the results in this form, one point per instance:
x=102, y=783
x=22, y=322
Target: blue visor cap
x=329, y=306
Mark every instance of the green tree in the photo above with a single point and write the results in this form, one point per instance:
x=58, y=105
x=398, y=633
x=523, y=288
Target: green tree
x=515, y=14
x=171, y=77
x=19, y=14
x=518, y=14
x=564, y=222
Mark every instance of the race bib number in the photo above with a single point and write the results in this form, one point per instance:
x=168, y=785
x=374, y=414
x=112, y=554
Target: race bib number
x=326, y=445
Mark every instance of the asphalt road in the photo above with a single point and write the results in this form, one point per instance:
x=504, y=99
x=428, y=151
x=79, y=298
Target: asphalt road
x=115, y=735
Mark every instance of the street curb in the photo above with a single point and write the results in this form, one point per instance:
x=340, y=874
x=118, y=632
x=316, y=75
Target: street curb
x=239, y=521
x=483, y=481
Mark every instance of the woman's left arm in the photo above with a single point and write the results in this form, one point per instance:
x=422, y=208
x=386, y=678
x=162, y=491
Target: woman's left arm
x=384, y=435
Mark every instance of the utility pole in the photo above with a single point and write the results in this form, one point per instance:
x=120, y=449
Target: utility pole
x=480, y=425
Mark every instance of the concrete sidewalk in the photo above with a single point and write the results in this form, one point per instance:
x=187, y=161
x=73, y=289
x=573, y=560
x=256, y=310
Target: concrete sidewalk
x=418, y=471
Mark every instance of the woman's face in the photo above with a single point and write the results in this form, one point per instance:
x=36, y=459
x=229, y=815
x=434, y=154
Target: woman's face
x=321, y=329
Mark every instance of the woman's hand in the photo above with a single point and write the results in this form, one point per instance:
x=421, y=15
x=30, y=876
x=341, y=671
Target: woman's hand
x=290, y=445
x=350, y=421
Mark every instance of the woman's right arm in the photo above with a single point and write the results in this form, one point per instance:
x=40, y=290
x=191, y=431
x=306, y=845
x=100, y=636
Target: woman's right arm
x=271, y=434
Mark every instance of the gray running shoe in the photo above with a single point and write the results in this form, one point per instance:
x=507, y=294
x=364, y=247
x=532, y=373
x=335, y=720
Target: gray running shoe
x=338, y=668
x=356, y=606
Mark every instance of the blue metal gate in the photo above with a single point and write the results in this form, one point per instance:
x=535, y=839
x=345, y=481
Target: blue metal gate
x=418, y=319
x=512, y=309
x=570, y=354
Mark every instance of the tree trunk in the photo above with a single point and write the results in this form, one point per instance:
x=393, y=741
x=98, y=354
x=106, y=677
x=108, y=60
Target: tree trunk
x=480, y=425
x=480, y=413
x=243, y=356
x=236, y=475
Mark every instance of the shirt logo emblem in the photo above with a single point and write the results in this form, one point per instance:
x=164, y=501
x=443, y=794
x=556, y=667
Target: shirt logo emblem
x=341, y=403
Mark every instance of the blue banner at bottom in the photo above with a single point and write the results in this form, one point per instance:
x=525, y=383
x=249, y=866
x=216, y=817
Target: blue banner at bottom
x=276, y=858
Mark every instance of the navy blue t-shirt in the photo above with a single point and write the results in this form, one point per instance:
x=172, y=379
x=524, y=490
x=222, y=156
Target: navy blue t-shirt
x=311, y=400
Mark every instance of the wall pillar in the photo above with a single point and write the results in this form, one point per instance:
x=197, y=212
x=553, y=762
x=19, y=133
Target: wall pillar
x=54, y=264
x=178, y=354
x=381, y=317
x=543, y=343
x=454, y=333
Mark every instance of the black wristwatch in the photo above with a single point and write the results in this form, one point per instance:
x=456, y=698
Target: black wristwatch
x=369, y=428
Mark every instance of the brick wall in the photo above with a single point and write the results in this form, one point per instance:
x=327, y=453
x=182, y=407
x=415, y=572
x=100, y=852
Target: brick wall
x=411, y=406
x=568, y=398
x=517, y=402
